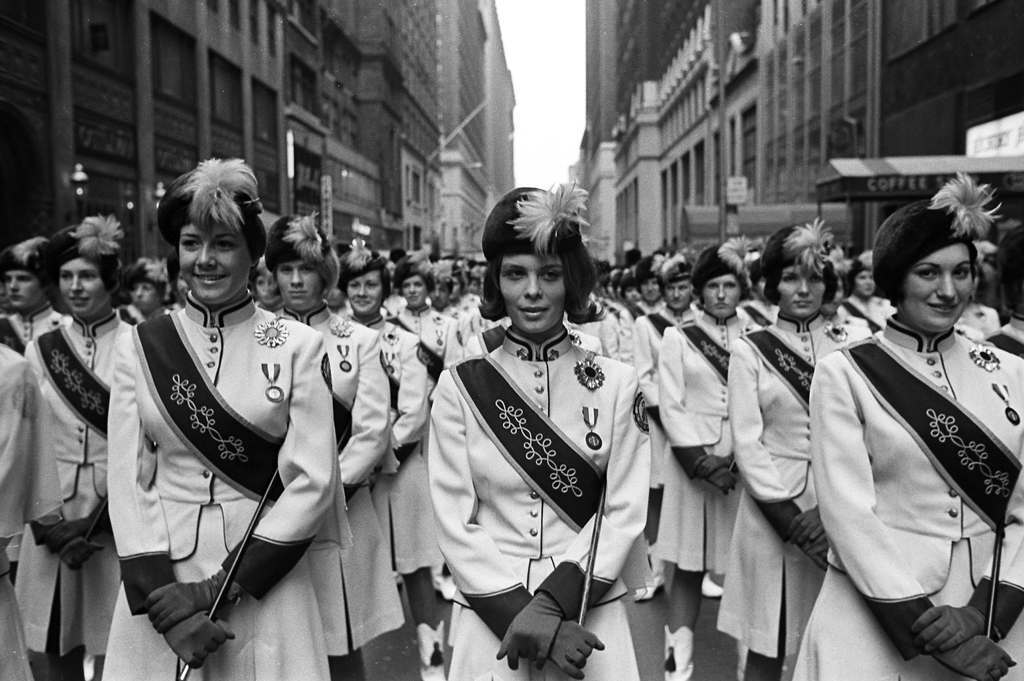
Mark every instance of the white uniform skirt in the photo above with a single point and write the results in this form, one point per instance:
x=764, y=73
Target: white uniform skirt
x=87, y=595
x=474, y=648
x=354, y=586
x=403, y=505
x=844, y=642
x=761, y=569
x=277, y=637
x=696, y=524
x=13, y=655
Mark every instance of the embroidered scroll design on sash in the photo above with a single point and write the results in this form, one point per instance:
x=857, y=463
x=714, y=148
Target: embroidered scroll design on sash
x=202, y=420
x=564, y=478
x=973, y=455
x=788, y=364
x=60, y=363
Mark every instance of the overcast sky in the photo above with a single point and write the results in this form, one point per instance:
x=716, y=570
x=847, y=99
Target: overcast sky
x=545, y=49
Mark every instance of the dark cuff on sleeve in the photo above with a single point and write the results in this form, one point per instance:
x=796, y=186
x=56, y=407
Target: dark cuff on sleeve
x=689, y=458
x=40, y=530
x=896, y=618
x=264, y=564
x=498, y=610
x=402, y=452
x=779, y=515
x=1009, y=603
x=565, y=586
x=99, y=520
x=141, y=575
x=654, y=413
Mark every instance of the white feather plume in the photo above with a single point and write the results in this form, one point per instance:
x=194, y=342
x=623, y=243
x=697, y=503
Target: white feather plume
x=734, y=253
x=261, y=267
x=98, y=235
x=542, y=213
x=444, y=269
x=359, y=256
x=213, y=186
x=671, y=265
x=304, y=237
x=156, y=269
x=809, y=244
x=25, y=250
x=966, y=199
x=867, y=259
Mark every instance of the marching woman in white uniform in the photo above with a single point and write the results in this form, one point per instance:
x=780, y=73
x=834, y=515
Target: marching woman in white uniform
x=69, y=575
x=916, y=438
x=522, y=442
x=399, y=492
x=29, y=492
x=213, y=408
x=24, y=274
x=355, y=590
x=777, y=558
x=698, y=511
x=1010, y=336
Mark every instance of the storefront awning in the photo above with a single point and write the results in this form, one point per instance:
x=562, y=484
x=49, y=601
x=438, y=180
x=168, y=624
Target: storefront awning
x=901, y=178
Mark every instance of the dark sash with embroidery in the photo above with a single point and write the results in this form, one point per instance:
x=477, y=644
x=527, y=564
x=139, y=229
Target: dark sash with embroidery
x=659, y=323
x=855, y=312
x=963, y=451
x=1008, y=343
x=77, y=385
x=715, y=354
x=756, y=315
x=794, y=370
x=10, y=337
x=243, y=455
x=342, y=422
x=492, y=338
x=433, y=361
x=543, y=456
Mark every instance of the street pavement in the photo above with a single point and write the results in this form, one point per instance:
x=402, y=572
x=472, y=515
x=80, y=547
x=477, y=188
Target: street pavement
x=393, y=656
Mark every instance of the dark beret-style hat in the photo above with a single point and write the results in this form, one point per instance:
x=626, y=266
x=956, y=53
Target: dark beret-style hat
x=531, y=220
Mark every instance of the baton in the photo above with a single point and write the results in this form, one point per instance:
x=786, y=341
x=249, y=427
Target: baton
x=594, y=536
x=997, y=557
x=229, y=577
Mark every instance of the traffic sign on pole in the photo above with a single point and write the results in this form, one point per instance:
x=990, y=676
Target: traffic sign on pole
x=736, y=190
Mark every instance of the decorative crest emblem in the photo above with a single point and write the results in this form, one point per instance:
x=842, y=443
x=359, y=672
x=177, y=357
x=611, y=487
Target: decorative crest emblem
x=589, y=373
x=273, y=333
x=342, y=328
x=983, y=356
x=836, y=332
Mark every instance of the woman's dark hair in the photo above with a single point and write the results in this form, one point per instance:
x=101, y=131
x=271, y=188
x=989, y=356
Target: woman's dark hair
x=578, y=272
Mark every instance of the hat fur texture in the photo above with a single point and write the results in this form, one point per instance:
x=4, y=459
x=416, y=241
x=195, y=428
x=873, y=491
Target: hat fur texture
x=415, y=263
x=531, y=220
x=298, y=238
x=97, y=238
x=25, y=255
x=360, y=260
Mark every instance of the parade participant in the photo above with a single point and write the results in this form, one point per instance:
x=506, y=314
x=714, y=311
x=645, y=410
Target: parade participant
x=979, y=321
x=629, y=293
x=354, y=586
x=29, y=493
x=522, y=584
x=1011, y=273
x=264, y=288
x=214, y=407
x=24, y=273
x=862, y=306
x=146, y=281
x=176, y=284
x=650, y=284
x=400, y=493
x=698, y=511
x=760, y=310
x=69, y=575
x=915, y=438
x=624, y=321
x=673, y=277
x=777, y=556
x=439, y=345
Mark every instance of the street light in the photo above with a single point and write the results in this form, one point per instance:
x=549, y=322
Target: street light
x=159, y=192
x=80, y=183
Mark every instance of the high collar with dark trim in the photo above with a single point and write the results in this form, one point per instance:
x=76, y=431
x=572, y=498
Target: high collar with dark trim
x=95, y=329
x=527, y=350
x=711, y=320
x=377, y=323
x=905, y=337
x=38, y=313
x=806, y=325
x=225, y=316
x=419, y=311
x=317, y=315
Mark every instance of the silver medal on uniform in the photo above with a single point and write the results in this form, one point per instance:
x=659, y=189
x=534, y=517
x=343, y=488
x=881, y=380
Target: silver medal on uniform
x=344, y=365
x=1004, y=394
x=274, y=392
x=592, y=439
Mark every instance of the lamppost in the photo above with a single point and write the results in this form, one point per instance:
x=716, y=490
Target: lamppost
x=80, y=184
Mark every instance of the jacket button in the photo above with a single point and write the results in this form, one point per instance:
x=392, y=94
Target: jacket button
x=215, y=349
x=533, y=533
x=539, y=389
x=533, y=514
x=952, y=493
x=213, y=338
x=931, y=362
x=538, y=373
x=211, y=364
x=952, y=513
x=206, y=474
x=937, y=374
x=534, y=495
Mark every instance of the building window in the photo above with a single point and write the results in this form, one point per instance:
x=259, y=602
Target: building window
x=174, y=62
x=698, y=173
x=748, y=131
x=264, y=109
x=30, y=13
x=684, y=162
x=214, y=5
x=225, y=91
x=254, y=21
x=304, y=12
x=417, y=191
x=101, y=34
x=303, y=85
x=271, y=30
x=908, y=23
x=235, y=13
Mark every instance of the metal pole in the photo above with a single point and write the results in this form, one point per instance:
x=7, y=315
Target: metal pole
x=997, y=557
x=594, y=537
x=723, y=147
